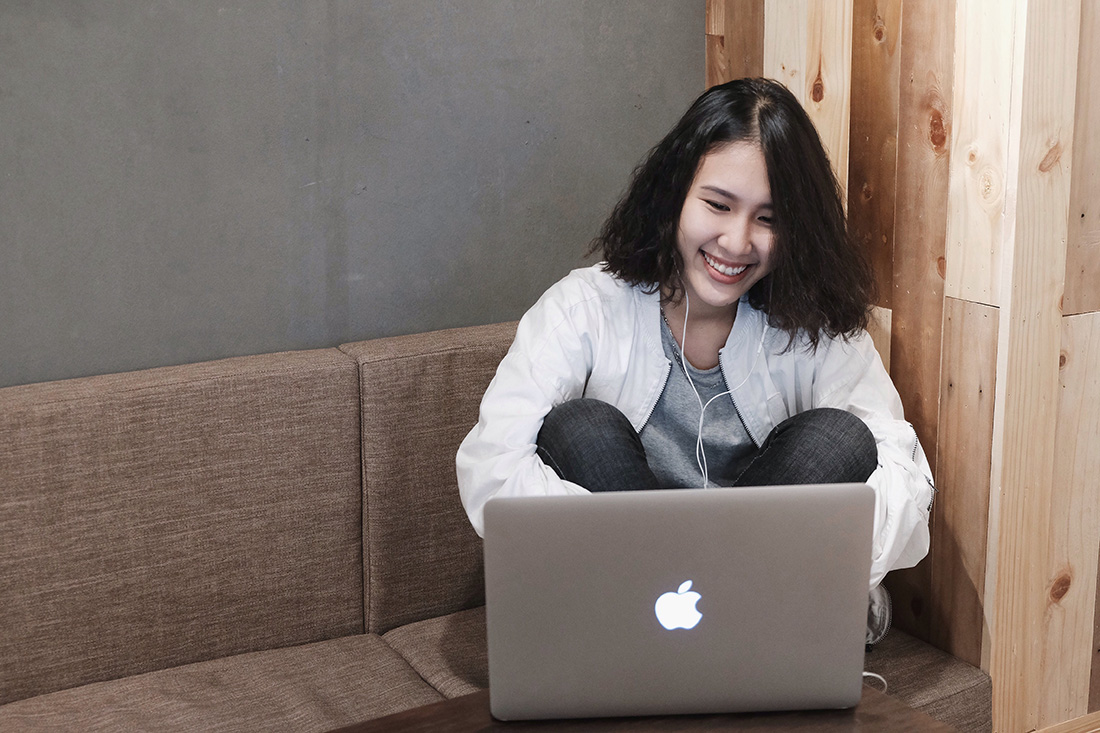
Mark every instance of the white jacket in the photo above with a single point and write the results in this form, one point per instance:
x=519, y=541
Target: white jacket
x=593, y=335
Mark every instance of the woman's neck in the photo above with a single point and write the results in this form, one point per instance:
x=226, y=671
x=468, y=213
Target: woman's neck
x=707, y=331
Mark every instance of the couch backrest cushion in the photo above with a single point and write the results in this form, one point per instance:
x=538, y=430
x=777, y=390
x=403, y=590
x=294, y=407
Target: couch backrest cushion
x=174, y=515
x=420, y=397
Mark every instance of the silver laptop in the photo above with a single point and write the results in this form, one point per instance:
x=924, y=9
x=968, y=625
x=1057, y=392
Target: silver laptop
x=677, y=601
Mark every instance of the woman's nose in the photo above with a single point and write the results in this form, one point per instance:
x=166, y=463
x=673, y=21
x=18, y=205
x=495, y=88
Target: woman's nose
x=737, y=237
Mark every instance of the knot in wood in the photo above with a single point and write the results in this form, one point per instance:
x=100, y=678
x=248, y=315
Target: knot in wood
x=986, y=187
x=936, y=132
x=880, y=29
x=1060, y=586
x=1051, y=158
x=818, y=91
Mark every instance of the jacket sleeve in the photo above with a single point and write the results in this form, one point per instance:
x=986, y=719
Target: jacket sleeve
x=902, y=482
x=547, y=364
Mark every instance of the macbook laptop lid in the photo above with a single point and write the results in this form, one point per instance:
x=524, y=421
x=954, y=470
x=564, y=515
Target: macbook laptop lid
x=677, y=601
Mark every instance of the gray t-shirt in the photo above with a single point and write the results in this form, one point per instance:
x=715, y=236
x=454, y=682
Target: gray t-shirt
x=670, y=435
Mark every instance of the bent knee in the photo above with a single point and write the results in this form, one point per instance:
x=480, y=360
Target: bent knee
x=566, y=418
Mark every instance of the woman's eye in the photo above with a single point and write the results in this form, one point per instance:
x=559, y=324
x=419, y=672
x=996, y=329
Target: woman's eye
x=765, y=220
x=717, y=206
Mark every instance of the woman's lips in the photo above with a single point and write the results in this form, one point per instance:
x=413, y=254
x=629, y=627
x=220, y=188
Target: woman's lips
x=723, y=273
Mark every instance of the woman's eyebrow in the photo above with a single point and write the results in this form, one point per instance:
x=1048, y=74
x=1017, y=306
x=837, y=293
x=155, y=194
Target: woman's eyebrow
x=733, y=197
x=719, y=191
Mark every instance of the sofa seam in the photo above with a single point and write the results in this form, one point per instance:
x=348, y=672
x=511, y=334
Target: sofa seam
x=177, y=382
x=409, y=663
x=383, y=358
x=364, y=511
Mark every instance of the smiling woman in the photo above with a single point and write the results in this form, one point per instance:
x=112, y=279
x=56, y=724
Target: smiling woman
x=724, y=242
x=720, y=343
x=725, y=236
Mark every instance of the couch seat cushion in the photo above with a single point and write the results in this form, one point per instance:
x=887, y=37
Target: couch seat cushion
x=934, y=682
x=315, y=687
x=449, y=652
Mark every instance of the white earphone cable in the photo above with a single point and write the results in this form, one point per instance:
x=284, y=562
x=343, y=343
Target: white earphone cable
x=700, y=451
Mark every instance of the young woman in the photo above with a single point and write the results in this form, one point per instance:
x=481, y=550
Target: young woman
x=720, y=342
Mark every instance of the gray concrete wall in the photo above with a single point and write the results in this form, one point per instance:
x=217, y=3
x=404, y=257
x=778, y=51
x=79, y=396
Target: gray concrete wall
x=182, y=180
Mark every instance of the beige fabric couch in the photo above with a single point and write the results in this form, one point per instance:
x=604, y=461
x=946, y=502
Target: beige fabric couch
x=266, y=543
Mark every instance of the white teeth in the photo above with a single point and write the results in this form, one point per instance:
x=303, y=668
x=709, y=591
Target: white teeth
x=724, y=269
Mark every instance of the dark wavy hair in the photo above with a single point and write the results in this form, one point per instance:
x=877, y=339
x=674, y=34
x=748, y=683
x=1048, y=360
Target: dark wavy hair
x=820, y=281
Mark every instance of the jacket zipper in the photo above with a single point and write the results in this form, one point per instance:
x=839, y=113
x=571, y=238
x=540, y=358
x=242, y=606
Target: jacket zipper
x=736, y=409
x=916, y=442
x=661, y=391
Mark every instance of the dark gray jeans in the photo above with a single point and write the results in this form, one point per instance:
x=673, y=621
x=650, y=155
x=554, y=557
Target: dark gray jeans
x=592, y=444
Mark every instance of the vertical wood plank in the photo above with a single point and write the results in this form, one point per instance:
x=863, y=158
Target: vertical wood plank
x=718, y=59
x=808, y=47
x=979, y=148
x=1075, y=530
x=965, y=456
x=879, y=329
x=1044, y=72
x=920, y=226
x=876, y=65
x=1094, y=683
x=1083, y=255
x=876, y=62
x=925, y=125
x=786, y=30
x=735, y=40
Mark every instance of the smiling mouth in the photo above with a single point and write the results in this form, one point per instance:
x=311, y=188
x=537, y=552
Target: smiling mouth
x=724, y=269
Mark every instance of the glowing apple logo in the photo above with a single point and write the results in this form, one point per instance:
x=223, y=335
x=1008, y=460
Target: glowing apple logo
x=677, y=610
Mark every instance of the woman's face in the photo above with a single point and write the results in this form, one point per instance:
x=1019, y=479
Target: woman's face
x=725, y=235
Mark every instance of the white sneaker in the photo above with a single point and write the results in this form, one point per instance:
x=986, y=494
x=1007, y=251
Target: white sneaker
x=880, y=614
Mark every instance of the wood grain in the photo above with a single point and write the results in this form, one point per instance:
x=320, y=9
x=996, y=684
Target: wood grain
x=735, y=40
x=1041, y=118
x=1094, y=681
x=979, y=148
x=965, y=455
x=1083, y=255
x=925, y=125
x=920, y=226
x=808, y=47
x=879, y=328
x=1084, y=724
x=1068, y=619
x=876, y=66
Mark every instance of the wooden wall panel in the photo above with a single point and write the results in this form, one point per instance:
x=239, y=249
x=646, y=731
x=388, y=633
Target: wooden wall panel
x=876, y=63
x=1094, y=681
x=964, y=460
x=924, y=128
x=808, y=47
x=1069, y=616
x=979, y=148
x=925, y=123
x=1044, y=72
x=735, y=40
x=1083, y=255
x=879, y=329
x=980, y=212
